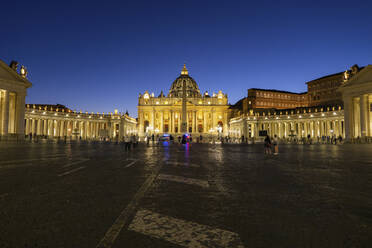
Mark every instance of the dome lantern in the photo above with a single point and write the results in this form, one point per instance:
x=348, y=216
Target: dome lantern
x=184, y=70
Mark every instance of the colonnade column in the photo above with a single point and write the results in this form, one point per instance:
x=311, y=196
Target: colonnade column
x=5, y=111
x=348, y=117
x=27, y=130
x=364, y=115
x=20, y=108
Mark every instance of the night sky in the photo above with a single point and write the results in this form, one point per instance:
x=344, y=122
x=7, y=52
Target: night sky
x=98, y=56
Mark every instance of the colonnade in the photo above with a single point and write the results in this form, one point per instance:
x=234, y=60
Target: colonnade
x=324, y=124
x=61, y=128
x=73, y=125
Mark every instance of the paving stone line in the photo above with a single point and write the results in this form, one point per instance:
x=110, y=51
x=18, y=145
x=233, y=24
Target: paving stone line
x=186, y=180
x=75, y=163
x=182, y=232
x=71, y=171
x=108, y=240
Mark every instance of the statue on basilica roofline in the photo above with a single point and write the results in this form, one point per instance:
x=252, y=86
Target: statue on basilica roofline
x=23, y=71
x=14, y=65
x=346, y=76
x=350, y=73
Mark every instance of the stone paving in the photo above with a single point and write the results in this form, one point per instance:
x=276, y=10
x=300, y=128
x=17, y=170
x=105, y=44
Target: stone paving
x=197, y=195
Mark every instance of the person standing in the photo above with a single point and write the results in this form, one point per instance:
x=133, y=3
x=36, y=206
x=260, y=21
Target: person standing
x=133, y=140
x=267, y=145
x=126, y=143
x=276, y=145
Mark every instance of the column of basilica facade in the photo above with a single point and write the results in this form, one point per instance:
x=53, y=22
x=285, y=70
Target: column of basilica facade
x=205, y=114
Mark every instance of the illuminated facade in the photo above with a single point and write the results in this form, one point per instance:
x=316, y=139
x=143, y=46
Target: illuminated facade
x=262, y=98
x=57, y=121
x=51, y=121
x=342, y=108
x=185, y=109
x=13, y=90
x=203, y=114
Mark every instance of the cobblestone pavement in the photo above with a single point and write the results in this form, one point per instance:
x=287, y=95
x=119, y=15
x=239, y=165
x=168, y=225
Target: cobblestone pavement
x=197, y=195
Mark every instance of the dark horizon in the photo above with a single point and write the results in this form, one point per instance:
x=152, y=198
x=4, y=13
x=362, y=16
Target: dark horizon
x=98, y=58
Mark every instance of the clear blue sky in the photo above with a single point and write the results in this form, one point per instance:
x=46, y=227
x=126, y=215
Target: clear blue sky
x=99, y=55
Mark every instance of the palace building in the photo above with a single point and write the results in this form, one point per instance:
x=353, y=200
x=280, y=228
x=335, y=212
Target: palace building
x=183, y=109
x=338, y=105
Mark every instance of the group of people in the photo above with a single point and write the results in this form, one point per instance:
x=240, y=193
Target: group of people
x=271, y=145
x=130, y=141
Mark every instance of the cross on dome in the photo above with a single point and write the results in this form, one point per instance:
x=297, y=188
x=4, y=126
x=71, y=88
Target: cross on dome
x=184, y=70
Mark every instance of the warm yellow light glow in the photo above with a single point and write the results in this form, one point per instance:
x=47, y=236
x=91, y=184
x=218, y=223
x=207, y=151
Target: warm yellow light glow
x=200, y=102
x=157, y=102
x=146, y=96
x=166, y=102
x=209, y=102
x=184, y=70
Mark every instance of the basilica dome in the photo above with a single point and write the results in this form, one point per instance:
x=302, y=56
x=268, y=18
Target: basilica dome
x=192, y=89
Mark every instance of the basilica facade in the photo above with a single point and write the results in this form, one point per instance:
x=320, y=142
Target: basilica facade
x=201, y=114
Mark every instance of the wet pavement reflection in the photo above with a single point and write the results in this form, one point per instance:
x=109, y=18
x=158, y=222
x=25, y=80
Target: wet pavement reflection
x=193, y=195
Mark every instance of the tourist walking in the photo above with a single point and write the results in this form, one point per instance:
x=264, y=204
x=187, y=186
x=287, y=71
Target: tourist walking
x=276, y=145
x=133, y=140
x=127, y=143
x=267, y=145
